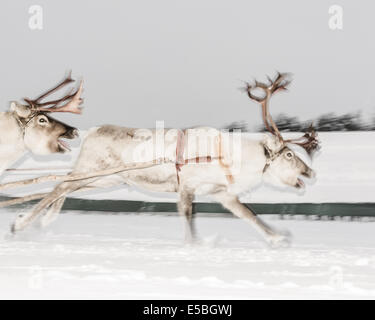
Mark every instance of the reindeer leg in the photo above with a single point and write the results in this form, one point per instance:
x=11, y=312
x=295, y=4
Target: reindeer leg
x=55, y=209
x=231, y=202
x=52, y=212
x=23, y=220
x=185, y=209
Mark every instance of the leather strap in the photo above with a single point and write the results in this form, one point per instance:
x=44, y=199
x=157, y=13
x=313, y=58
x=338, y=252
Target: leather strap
x=270, y=157
x=180, y=148
x=181, y=161
x=225, y=166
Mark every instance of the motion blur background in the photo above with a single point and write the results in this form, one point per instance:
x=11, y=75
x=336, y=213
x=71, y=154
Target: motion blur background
x=184, y=61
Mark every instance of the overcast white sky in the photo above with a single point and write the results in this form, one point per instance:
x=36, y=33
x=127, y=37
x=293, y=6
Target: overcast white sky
x=183, y=61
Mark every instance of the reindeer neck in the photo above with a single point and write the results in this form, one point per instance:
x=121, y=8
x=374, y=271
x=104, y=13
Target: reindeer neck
x=12, y=146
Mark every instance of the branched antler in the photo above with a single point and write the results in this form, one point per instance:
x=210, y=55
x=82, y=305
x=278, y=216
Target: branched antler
x=72, y=106
x=309, y=140
x=279, y=84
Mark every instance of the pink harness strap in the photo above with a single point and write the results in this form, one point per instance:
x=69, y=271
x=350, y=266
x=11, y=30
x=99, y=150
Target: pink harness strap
x=226, y=167
x=180, y=159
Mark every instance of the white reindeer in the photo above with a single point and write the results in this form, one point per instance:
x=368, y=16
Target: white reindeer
x=28, y=127
x=108, y=154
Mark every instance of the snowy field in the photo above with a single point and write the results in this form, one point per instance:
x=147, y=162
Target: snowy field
x=139, y=256
x=143, y=256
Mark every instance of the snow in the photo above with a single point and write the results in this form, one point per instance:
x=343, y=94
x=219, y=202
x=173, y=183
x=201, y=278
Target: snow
x=344, y=166
x=139, y=256
x=116, y=256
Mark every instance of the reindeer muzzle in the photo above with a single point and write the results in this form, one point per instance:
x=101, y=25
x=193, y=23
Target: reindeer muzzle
x=70, y=133
x=309, y=173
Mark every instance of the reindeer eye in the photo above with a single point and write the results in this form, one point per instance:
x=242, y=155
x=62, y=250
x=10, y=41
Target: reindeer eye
x=42, y=120
x=289, y=154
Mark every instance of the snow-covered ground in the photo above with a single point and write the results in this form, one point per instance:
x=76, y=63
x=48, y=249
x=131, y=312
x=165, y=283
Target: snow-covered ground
x=143, y=256
x=92, y=255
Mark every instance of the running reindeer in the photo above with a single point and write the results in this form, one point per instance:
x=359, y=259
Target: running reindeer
x=29, y=128
x=107, y=158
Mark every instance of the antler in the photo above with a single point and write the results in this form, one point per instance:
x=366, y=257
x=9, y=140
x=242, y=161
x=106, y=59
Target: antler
x=280, y=83
x=72, y=106
x=309, y=140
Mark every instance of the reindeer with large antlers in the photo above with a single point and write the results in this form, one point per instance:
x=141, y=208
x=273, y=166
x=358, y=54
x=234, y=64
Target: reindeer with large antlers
x=30, y=128
x=108, y=158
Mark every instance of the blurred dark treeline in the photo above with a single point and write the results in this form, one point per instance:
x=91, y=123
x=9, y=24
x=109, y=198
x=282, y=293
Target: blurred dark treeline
x=326, y=122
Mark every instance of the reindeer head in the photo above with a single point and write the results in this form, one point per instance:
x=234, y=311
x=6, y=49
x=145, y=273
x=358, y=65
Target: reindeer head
x=43, y=134
x=287, y=160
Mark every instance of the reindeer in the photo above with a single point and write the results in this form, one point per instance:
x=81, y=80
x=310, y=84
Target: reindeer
x=30, y=128
x=108, y=152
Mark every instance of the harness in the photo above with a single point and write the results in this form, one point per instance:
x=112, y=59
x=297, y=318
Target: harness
x=23, y=124
x=181, y=161
x=270, y=156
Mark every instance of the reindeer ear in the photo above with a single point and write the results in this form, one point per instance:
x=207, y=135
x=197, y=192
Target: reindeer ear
x=21, y=110
x=272, y=143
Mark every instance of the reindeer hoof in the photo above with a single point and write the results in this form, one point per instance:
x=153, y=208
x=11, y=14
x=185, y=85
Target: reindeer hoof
x=191, y=241
x=13, y=229
x=280, y=240
x=19, y=223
